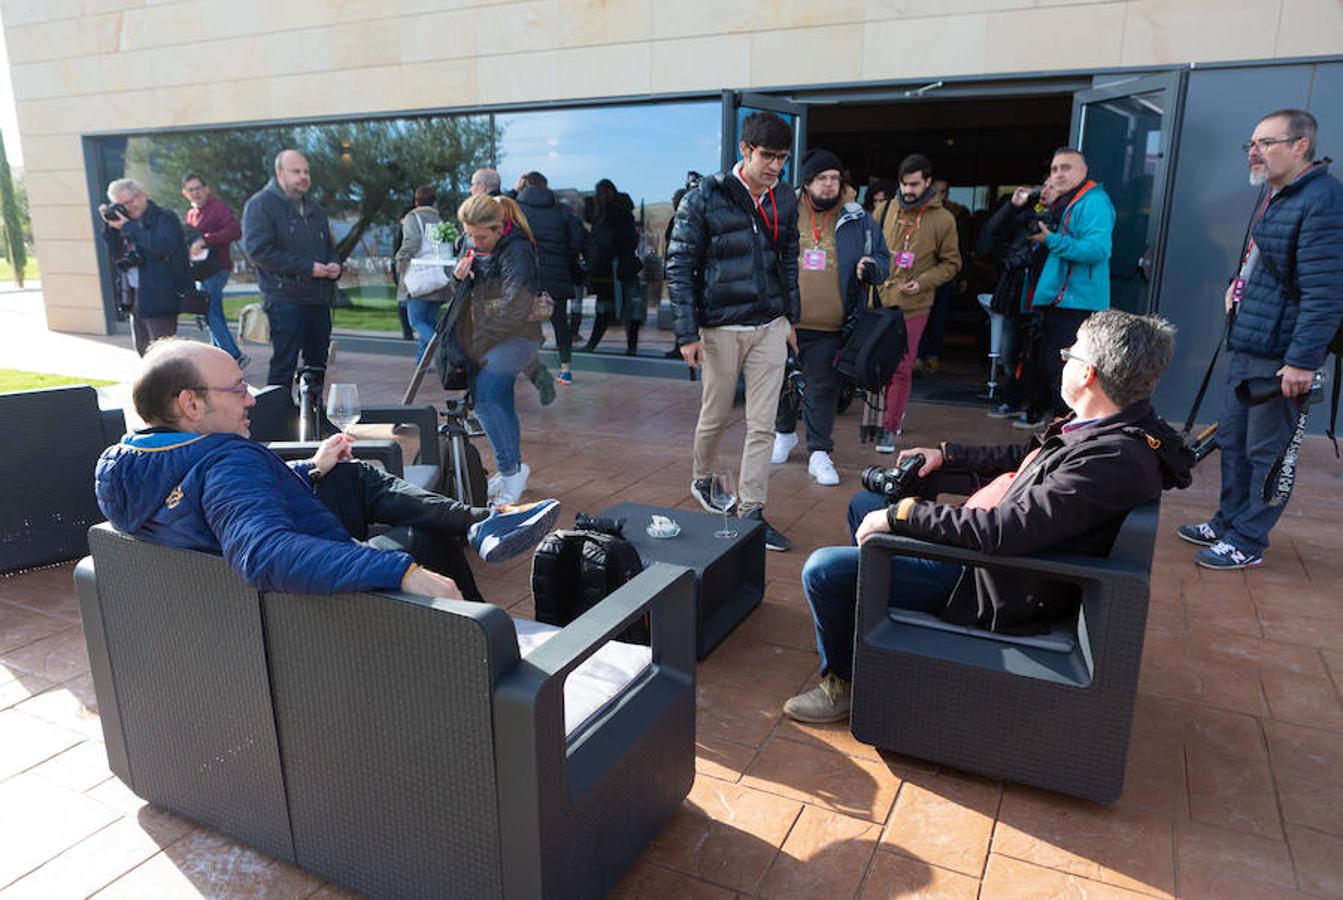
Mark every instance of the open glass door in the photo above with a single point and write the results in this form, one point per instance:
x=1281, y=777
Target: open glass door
x=1126, y=130
x=737, y=106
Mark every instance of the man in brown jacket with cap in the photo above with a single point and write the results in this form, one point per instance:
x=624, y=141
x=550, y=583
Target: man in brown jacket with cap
x=925, y=254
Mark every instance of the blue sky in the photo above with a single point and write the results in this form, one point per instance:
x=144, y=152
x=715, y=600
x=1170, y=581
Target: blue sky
x=645, y=150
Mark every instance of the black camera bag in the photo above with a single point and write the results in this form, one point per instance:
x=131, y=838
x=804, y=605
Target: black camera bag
x=573, y=570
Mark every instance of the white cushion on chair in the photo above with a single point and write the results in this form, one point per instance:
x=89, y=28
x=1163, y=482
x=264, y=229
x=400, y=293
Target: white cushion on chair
x=596, y=683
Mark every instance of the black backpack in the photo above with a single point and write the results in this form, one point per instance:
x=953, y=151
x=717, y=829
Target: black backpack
x=874, y=340
x=573, y=570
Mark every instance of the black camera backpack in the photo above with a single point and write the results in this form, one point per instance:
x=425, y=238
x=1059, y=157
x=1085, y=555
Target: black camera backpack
x=572, y=570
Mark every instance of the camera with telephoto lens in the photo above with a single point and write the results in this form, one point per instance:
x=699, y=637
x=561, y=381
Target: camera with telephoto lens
x=132, y=259
x=893, y=483
x=603, y=524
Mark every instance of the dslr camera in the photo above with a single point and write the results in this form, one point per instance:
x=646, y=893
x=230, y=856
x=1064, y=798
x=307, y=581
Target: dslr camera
x=131, y=259
x=115, y=211
x=893, y=483
x=1039, y=221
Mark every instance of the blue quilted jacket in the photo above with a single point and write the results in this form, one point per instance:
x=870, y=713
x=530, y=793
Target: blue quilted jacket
x=1302, y=232
x=223, y=493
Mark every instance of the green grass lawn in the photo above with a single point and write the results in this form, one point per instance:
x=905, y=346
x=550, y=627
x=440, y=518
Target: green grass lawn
x=17, y=380
x=30, y=270
x=374, y=309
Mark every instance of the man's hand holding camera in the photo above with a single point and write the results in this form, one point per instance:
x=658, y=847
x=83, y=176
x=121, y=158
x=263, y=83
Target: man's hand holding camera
x=115, y=215
x=1040, y=234
x=877, y=521
x=1295, y=382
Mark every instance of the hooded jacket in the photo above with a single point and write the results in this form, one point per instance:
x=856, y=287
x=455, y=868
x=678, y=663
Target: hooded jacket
x=936, y=248
x=221, y=493
x=283, y=238
x=724, y=264
x=1301, y=230
x=856, y=236
x=559, y=239
x=1072, y=498
x=505, y=284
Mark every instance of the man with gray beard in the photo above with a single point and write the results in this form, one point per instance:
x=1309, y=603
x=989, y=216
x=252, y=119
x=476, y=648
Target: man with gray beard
x=1286, y=300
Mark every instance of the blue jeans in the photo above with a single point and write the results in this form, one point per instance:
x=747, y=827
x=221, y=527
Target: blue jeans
x=491, y=383
x=220, y=336
x=295, y=327
x=1250, y=439
x=830, y=581
x=423, y=316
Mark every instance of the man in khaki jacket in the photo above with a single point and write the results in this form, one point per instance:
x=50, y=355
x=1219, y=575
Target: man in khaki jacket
x=925, y=254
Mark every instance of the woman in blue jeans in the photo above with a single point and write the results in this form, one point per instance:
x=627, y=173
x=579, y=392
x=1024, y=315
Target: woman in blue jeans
x=421, y=312
x=496, y=329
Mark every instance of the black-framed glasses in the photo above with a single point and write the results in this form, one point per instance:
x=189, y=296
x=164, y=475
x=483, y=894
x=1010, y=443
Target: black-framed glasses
x=1066, y=354
x=1264, y=143
x=773, y=156
x=241, y=390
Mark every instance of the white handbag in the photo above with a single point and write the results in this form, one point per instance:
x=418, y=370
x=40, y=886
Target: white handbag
x=426, y=274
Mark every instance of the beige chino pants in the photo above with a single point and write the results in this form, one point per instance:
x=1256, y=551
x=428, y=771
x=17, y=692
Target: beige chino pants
x=760, y=354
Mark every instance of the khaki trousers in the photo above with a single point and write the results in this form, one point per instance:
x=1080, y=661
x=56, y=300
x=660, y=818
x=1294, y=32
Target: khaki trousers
x=760, y=354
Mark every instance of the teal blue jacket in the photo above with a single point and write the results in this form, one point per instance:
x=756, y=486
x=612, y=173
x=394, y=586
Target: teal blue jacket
x=1078, y=264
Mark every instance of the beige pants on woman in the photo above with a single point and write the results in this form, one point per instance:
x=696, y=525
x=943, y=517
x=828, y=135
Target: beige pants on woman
x=759, y=353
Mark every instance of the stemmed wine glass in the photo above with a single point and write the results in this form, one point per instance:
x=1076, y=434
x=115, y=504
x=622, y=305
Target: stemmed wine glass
x=723, y=497
x=342, y=405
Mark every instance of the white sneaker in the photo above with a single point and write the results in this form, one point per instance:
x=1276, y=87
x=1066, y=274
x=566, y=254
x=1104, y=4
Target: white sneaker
x=511, y=487
x=822, y=468
x=496, y=483
x=783, y=445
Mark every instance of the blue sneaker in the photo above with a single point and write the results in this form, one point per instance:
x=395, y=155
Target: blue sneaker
x=1201, y=534
x=510, y=530
x=564, y=376
x=1222, y=555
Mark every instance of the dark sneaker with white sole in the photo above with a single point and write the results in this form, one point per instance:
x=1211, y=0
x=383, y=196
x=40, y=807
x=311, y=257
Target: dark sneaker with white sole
x=511, y=530
x=773, y=539
x=1222, y=555
x=699, y=489
x=1201, y=534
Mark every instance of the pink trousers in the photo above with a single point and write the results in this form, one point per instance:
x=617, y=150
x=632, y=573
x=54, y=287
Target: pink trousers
x=897, y=392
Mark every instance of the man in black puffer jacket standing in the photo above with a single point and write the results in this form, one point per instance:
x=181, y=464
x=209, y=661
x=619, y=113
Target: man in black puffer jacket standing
x=1287, y=298
x=732, y=277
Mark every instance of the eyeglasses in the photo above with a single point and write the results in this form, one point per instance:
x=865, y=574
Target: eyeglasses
x=241, y=390
x=1264, y=143
x=1067, y=354
x=772, y=156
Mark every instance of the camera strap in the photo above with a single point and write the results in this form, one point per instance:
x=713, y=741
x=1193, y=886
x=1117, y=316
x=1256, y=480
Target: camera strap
x=1207, y=376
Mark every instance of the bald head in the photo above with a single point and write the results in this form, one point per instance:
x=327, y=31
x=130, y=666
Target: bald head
x=291, y=173
x=190, y=386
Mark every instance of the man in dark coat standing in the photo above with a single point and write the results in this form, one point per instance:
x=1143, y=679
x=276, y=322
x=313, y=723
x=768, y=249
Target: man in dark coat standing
x=732, y=276
x=287, y=237
x=559, y=240
x=146, y=245
x=1286, y=300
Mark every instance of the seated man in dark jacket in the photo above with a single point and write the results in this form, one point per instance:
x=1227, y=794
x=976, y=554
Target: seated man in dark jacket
x=192, y=479
x=1066, y=490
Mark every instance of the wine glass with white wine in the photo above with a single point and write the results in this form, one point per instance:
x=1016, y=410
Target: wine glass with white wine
x=342, y=405
x=723, y=497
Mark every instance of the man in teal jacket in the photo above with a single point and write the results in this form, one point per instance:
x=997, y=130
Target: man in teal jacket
x=1075, y=280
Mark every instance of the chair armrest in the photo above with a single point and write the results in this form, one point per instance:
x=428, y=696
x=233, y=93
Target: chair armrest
x=386, y=452
x=113, y=423
x=424, y=418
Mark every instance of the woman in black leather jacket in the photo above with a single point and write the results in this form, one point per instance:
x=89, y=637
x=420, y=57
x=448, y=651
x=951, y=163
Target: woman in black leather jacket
x=496, y=330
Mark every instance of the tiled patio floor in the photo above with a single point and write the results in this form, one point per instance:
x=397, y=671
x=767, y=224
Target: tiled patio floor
x=1235, y=785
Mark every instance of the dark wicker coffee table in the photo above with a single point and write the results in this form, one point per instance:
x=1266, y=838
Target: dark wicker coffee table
x=729, y=572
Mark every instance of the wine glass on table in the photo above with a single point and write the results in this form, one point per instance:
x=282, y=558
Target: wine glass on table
x=723, y=497
x=342, y=405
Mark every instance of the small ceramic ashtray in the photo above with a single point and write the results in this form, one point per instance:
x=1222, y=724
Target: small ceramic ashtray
x=663, y=527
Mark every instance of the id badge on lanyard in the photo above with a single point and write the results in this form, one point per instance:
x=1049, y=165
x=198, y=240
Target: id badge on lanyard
x=813, y=260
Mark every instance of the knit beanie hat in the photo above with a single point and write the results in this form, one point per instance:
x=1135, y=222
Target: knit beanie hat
x=816, y=160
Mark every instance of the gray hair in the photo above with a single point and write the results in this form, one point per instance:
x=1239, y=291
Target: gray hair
x=1300, y=124
x=1129, y=352
x=121, y=185
x=488, y=177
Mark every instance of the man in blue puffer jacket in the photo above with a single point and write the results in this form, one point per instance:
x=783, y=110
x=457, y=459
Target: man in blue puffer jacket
x=1287, y=298
x=193, y=480
x=1075, y=279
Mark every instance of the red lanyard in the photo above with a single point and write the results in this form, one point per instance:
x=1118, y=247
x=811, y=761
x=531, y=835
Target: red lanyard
x=1249, y=247
x=816, y=230
x=903, y=225
x=760, y=205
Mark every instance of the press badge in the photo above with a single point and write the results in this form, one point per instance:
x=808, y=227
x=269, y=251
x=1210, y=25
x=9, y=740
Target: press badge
x=904, y=259
x=813, y=260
